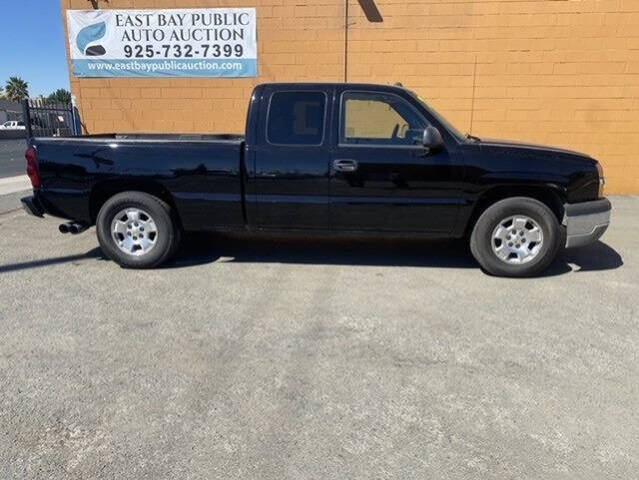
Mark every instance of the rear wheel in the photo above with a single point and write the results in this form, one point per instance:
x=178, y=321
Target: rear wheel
x=516, y=237
x=137, y=230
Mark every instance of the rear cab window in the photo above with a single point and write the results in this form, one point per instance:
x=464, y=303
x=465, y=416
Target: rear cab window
x=296, y=118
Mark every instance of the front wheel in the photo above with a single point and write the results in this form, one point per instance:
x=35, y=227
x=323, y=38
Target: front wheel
x=136, y=230
x=516, y=237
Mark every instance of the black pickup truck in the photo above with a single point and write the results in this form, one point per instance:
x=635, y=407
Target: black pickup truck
x=339, y=158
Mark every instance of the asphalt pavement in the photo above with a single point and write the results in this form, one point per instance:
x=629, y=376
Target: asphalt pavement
x=12, y=161
x=11, y=202
x=292, y=358
x=14, y=184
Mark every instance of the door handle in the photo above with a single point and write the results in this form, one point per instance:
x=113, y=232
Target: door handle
x=345, y=165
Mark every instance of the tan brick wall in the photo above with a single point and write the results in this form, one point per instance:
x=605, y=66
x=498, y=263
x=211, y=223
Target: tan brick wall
x=560, y=72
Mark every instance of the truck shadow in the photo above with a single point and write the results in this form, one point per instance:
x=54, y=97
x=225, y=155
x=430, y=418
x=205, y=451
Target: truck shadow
x=76, y=259
x=595, y=257
x=204, y=248
x=323, y=250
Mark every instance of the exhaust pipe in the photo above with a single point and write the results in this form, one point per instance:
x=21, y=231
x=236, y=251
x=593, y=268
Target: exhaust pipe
x=73, y=228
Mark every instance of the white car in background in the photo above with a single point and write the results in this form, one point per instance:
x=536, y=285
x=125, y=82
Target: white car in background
x=13, y=125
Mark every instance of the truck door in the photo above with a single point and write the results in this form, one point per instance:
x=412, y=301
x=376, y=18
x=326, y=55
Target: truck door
x=382, y=178
x=292, y=157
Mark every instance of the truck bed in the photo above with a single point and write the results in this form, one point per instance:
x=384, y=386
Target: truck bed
x=199, y=175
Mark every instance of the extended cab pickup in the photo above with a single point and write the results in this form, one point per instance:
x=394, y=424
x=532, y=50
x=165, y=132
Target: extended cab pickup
x=342, y=158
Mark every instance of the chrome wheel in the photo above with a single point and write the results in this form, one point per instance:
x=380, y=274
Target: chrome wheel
x=134, y=231
x=517, y=239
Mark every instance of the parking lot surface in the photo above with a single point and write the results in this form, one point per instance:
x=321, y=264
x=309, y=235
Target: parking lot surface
x=305, y=359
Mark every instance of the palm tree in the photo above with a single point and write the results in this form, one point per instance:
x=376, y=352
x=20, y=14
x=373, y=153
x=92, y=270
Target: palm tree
x=2, y=95
x=17, y=89
x=60, y=96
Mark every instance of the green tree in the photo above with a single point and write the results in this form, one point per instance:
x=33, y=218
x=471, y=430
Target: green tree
x=2, y=95
x=16, y=89
x=60, y=96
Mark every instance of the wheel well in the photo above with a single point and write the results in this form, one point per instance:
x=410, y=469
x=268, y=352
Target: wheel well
x=548, y=197
x=105, y=190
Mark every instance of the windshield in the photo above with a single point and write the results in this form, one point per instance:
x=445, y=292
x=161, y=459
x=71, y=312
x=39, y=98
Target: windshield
x=447, y=125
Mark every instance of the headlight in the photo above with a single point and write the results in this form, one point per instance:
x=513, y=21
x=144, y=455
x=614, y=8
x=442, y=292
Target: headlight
x=602, y=180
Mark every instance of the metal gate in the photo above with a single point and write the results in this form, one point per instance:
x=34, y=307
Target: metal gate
x=44, y=119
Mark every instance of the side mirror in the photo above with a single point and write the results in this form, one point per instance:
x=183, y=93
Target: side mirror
x=432, y=138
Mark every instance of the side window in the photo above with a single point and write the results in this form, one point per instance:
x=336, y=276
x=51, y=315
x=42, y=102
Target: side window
x=379, y=118
x=296, y=118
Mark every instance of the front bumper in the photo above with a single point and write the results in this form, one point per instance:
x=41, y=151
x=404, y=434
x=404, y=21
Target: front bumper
x=32, y=206
x=586, y=222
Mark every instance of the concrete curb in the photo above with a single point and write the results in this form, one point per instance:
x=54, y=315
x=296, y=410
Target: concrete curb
x=14, y=184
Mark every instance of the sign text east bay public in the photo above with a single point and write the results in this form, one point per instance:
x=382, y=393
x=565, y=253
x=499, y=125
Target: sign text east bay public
x=163, y=43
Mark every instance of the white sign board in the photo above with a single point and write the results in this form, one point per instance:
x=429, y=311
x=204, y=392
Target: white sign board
x=212, y=42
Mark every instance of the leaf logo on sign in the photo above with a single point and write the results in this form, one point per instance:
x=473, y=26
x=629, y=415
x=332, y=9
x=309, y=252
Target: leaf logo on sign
x=89, y=35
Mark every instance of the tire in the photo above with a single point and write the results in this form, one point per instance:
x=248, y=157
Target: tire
x=146, y=231
x=500, y=247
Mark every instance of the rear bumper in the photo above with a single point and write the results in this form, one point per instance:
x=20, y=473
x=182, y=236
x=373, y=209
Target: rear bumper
x=586, y=222
x=32, y=206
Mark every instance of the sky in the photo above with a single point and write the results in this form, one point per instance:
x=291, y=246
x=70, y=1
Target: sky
x=32, y=45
